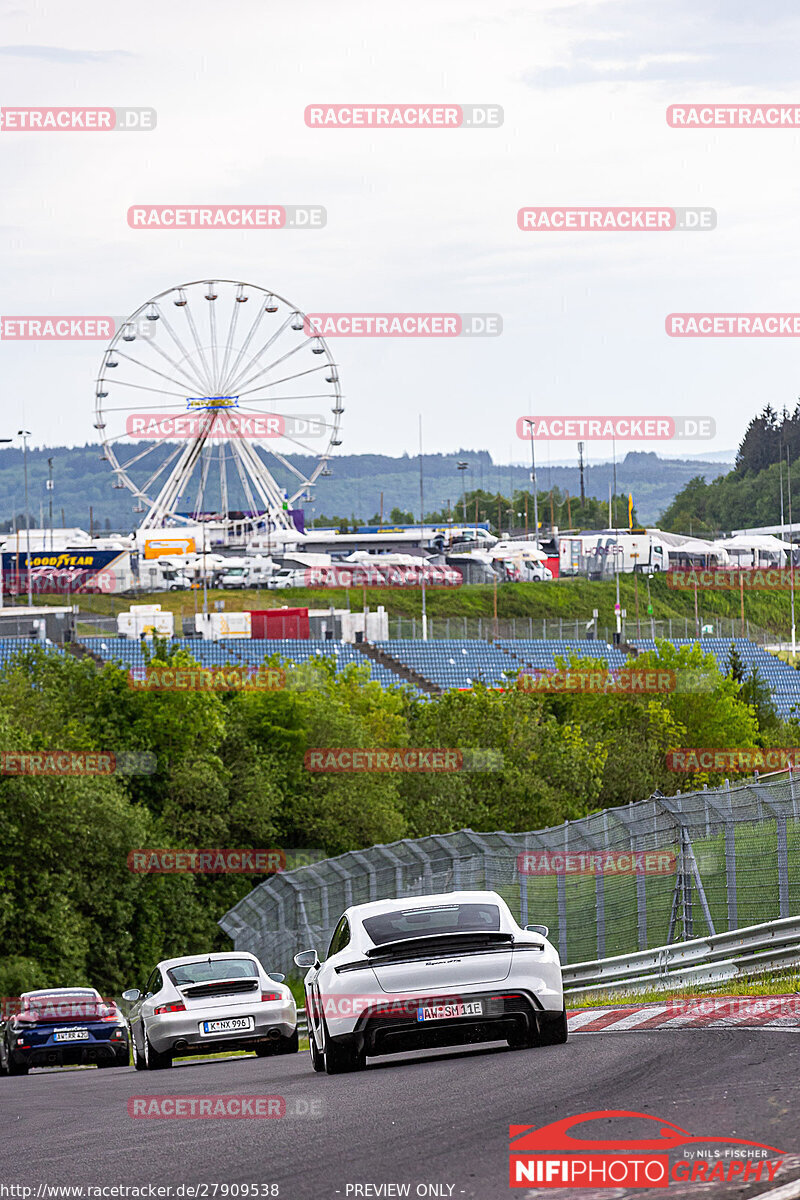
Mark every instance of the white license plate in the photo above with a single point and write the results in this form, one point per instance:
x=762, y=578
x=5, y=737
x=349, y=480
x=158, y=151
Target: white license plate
x=226, y=1025
x=72, y=1035
x=440, y=1012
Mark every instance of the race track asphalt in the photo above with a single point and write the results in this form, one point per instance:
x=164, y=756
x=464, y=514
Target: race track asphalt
x=434, y=1118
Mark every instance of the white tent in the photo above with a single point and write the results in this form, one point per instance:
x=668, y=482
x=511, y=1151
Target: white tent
x=763, y=543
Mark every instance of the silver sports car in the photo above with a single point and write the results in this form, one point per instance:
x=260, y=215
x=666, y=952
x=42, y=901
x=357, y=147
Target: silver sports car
x=204, y=1004
x=429, y=971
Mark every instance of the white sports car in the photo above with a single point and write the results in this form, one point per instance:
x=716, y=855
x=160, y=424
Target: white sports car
x=430, y=971
x=205, y=1004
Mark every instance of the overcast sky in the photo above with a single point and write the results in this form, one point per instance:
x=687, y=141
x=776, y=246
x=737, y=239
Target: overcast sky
x=418, y=221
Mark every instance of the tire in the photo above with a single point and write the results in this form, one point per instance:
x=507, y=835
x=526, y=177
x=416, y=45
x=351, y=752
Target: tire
x=266, y=1051
x=342, y=1057
x=116, y=1061
x=17, y=1068
x=553, y=1032
x=289, y=1045
x=154, y=1059
x=317, y=1059
x=138, y=1060
x=526, y=1040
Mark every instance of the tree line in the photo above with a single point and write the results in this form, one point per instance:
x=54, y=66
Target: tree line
x=230, y=773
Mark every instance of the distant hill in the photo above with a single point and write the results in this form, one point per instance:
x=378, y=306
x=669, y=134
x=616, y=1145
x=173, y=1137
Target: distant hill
x=353, y=488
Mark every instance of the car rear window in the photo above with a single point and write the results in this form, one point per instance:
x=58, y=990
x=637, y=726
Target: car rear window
x=62, y=1007
x=207, y=972
x=428, y=922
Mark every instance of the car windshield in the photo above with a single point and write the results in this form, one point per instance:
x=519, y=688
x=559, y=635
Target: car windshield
x=428, y=922
x=206, y=971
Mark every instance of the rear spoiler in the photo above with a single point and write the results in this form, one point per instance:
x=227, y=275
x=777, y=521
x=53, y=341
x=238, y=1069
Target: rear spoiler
x=431, y=941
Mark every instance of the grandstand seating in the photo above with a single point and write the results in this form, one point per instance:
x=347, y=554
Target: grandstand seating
x=446, y=663
x=782, y=679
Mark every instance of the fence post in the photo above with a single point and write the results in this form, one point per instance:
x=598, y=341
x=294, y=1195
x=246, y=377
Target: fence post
x=561, y=887
x=641, y=905
x=783, y=866
x=600, y=905
x=730, y=874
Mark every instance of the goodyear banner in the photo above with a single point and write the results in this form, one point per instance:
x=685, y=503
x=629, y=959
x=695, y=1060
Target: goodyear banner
x=65, y=571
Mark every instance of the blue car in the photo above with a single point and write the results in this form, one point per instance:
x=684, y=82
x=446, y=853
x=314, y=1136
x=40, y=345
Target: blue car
x=59, y=1027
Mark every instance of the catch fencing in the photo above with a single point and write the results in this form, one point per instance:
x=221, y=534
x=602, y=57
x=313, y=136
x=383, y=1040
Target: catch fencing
x=577, y=628
x=613, y=883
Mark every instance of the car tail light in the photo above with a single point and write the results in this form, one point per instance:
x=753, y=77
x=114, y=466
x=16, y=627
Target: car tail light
x=178, y=1006
x=270, y=996
x=117, y=1033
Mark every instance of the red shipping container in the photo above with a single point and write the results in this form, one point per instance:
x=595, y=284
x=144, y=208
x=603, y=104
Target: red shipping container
x=279, y=623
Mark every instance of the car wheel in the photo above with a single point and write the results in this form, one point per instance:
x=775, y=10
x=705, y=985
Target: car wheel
x=553, y=1032
x=289, y=1045
x=18, y=1068
x=138, y=1059
x=526, y=1040
x=341, y=1057
x=317, y=1059
x=154, y=1060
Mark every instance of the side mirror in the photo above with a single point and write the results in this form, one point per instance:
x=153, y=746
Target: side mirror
x=276, y=975
x=131, y=995
x=307, y=959
x=542, y=929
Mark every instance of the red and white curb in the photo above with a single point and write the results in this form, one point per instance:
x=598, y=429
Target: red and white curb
x=719, y=1012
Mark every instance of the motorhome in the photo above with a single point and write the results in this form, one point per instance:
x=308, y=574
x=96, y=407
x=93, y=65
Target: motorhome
x=600, y=554
x=253, y=571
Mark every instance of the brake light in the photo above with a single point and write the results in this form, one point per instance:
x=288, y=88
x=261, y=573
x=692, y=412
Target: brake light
x=270, y=996
x=179, y=1006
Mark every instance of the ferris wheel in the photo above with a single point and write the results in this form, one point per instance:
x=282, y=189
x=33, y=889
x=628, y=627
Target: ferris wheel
x=216, y=400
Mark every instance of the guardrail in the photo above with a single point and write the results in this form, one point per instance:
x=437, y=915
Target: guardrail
x=771, y=946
